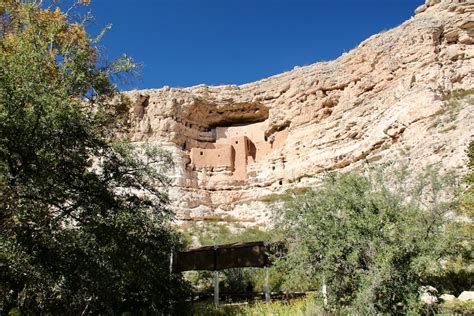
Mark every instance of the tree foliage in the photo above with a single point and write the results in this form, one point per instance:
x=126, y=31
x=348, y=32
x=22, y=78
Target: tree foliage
x=83, y=227
x=373, y=239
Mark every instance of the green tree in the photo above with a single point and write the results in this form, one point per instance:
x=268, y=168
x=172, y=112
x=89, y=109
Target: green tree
x=459, y=270
x=83, y=227
x=374, y=240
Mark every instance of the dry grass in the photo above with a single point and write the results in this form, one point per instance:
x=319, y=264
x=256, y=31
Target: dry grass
x=458, y=94
x=448, y=113
x=283, y=197
x=457, y=307
x=298, y=307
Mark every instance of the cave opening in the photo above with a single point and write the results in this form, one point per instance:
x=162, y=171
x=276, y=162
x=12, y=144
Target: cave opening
x=238, y=114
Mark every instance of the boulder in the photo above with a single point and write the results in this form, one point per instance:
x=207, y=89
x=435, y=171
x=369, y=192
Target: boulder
x=428, y=295
x=430, y=3
x=447, y=297
x=422, y=8
x=466, y=296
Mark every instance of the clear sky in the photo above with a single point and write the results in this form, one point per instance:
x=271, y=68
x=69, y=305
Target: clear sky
x=188, y=42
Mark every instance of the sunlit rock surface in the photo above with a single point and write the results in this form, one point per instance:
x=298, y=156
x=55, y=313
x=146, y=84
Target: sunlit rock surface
x=391, y=98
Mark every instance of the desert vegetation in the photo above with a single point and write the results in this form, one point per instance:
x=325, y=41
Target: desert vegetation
x=373, y=240
x=86, y=227
x=75, y=235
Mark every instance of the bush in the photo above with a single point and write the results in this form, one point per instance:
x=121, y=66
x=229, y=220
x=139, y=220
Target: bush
x=373, y=239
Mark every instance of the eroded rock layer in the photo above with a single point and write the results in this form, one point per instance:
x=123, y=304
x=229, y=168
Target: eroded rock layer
x=404, y=94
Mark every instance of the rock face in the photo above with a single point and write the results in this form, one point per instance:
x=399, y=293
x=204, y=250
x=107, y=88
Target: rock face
x=403, y=94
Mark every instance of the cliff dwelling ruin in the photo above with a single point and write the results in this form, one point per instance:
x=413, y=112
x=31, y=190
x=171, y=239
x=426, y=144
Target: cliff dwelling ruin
x=235, y=147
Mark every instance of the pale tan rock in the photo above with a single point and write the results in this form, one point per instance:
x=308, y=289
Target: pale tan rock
x=466, y=296
x=430, y=3
x=466, y=38
x=422, y=8
x=428, y=295
x=382, y=101
x=447, y=297
x=454, y=52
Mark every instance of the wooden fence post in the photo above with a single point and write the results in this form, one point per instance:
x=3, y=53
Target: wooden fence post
x=325, y=293
x=266, y=287
x=171, y=261
x=216, y=278
x=216, y=288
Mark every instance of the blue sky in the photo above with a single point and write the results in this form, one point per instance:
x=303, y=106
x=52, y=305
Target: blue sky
x=188, y=42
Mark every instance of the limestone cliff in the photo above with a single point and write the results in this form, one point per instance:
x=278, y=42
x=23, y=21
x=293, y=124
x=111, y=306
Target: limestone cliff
x=406, y=93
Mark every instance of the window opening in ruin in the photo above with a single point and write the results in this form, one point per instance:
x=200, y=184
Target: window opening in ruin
x=280, y=182
x=266, y=138
x=273, y=167
x=236, y=142
x=202, y=153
